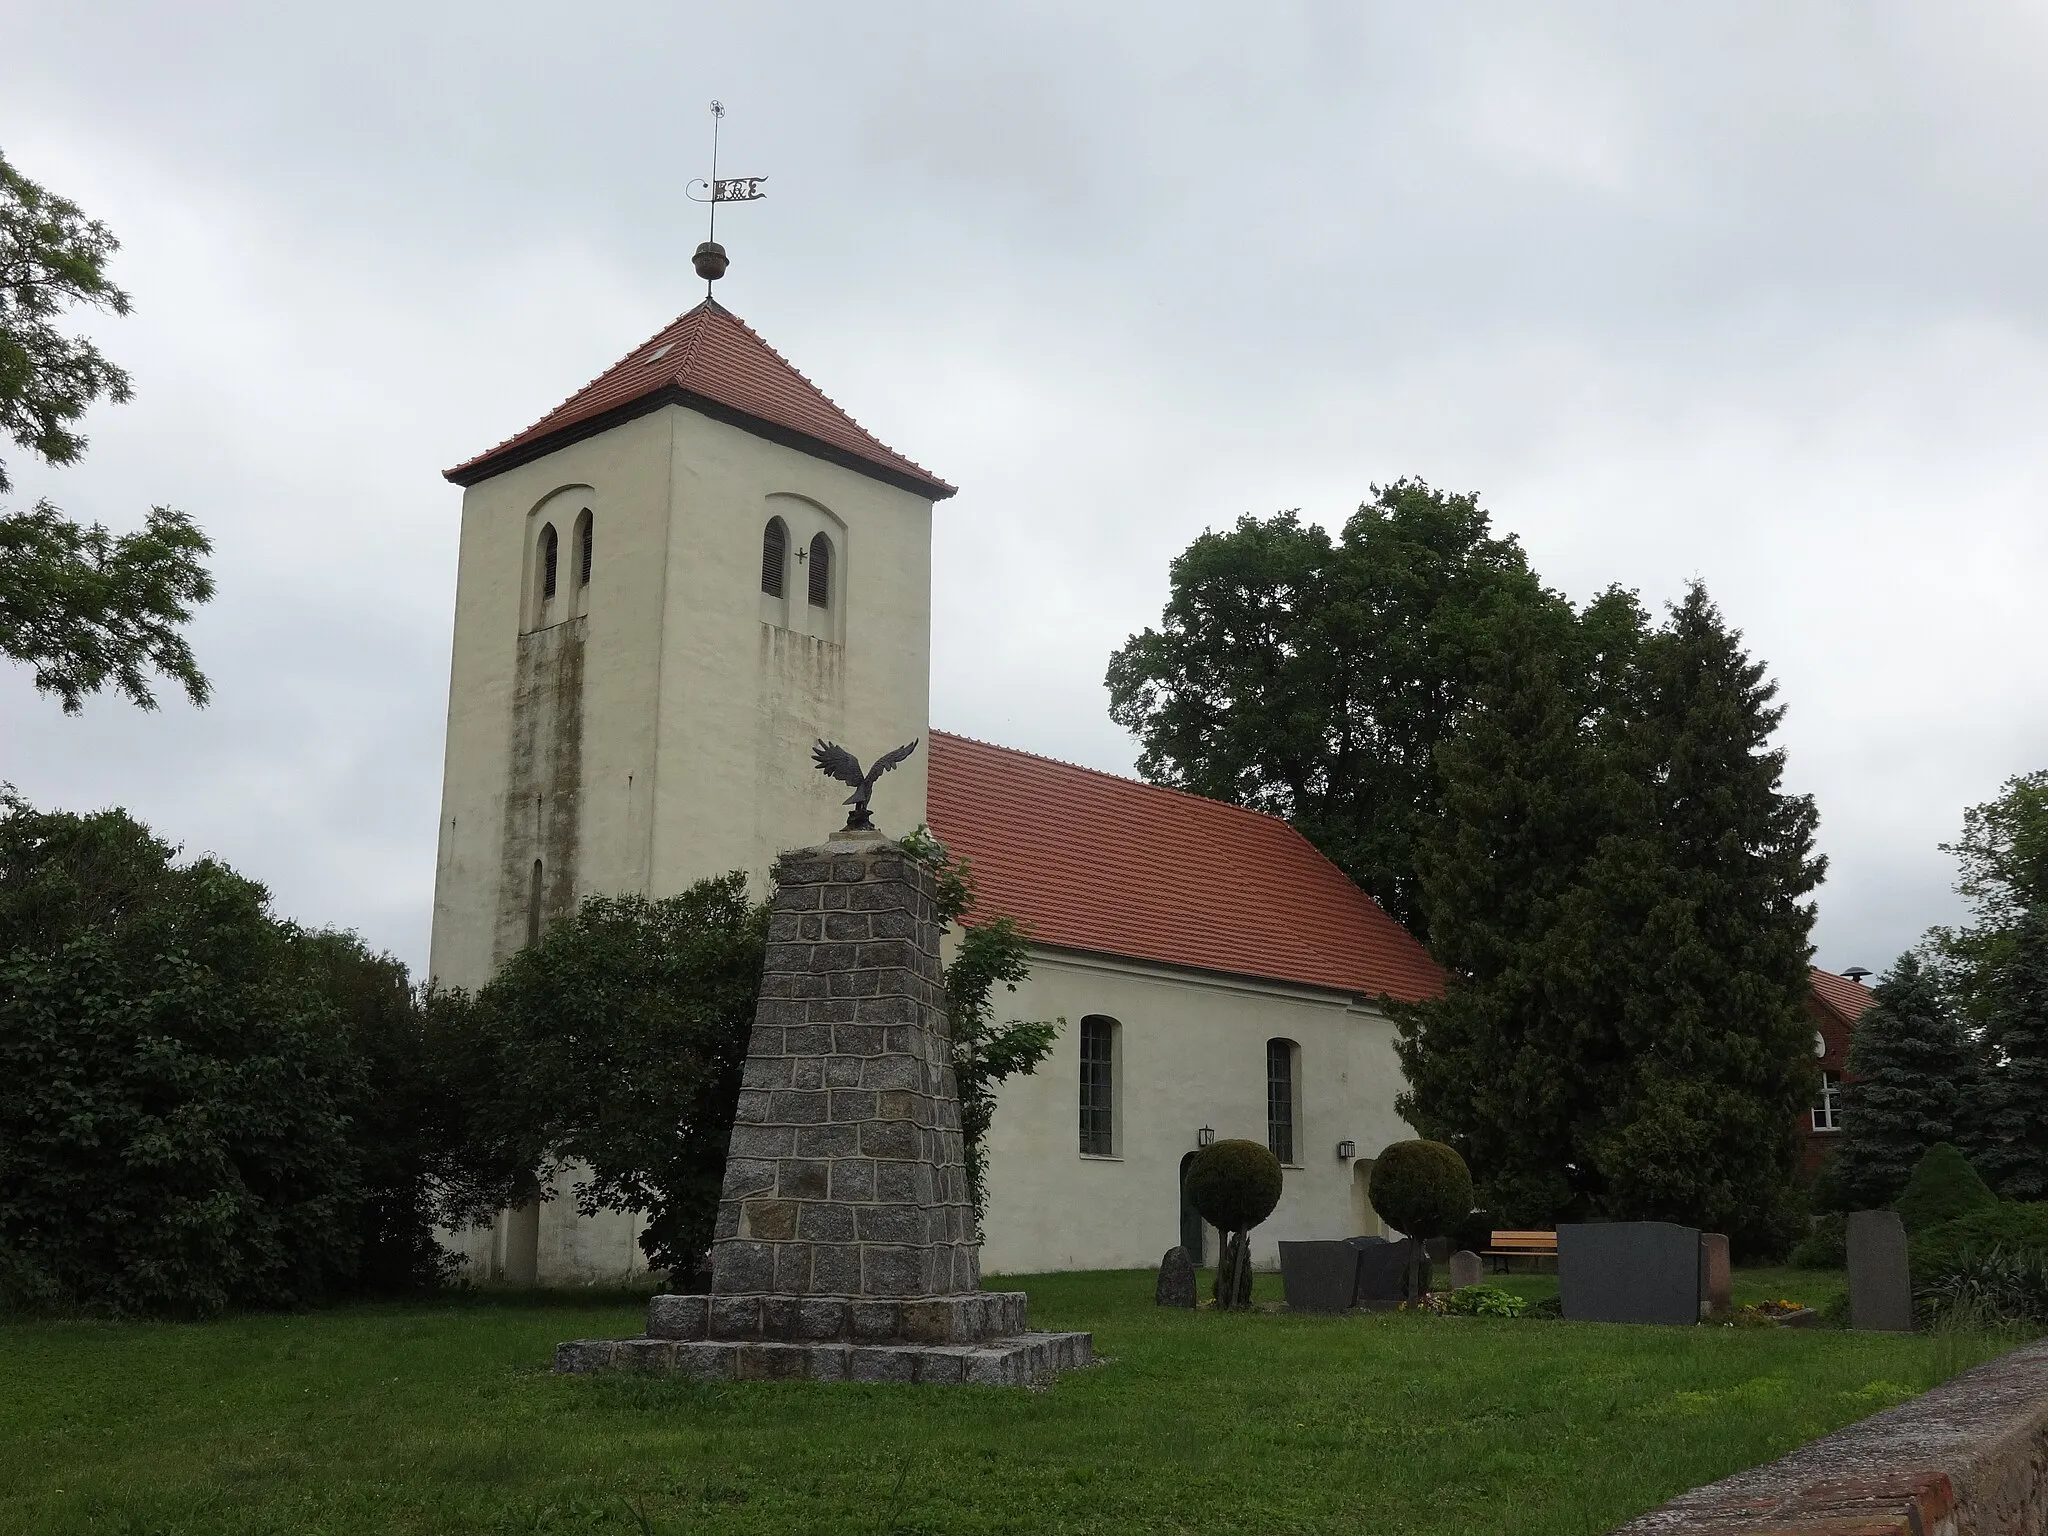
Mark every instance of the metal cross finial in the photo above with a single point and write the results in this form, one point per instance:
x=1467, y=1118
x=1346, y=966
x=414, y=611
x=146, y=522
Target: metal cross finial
x=710, y=259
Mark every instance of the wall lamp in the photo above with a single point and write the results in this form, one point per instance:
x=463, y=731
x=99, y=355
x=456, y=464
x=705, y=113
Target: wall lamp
x=1347, y=1150
x=1205, y=1136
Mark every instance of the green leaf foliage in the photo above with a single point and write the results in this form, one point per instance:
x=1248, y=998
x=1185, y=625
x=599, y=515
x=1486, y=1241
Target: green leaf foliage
x=1942, y=1187
x=51, y=257
x=615, y=1043
x=88, y=609
x=1316, y=678
x=1909, y=1073
x=85, y=609
x=1234, y=1184
x=1619, y=889
x=1421, y=1188
x=2011, y=1227
x=174, y=1093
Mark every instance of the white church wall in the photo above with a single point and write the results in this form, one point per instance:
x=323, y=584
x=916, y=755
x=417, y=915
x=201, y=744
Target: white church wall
x=1191, y=1052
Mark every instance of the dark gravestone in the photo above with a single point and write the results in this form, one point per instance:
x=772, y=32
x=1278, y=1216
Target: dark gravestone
x=1880, y=1280
x=1629, y=1272
x=1176, y=1287
x=1383, y=1272
x=1319, y=1277
x=1717, y=1296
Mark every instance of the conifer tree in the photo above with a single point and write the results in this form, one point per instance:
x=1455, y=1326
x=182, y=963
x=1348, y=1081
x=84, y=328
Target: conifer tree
x=2010, y=1131
x=1530, y=788
x=1706, y=925
x=1622, y=903
x=1908, y=1066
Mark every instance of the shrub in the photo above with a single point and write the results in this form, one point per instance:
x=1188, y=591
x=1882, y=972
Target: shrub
x=1234, y=1185
x=1486, y=1301
x=1943, y=1187
x=1474, y=1232
x=1989, y=1289
x=1942, y=1250
x=1825, y=1247
x=1422, y=1188
x=174, y=1095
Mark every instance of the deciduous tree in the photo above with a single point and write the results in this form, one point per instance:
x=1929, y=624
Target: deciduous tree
x=85, y=608
x=1316, y=678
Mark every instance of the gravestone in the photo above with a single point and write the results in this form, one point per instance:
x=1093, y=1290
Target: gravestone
x=1383, y=1271
x=1319, y=1276
x=845, y=1247
x=1629, y=1272
x=1717, y=1296
x=1466, y=1269
x=1880, y=1278
x=1176, y=1287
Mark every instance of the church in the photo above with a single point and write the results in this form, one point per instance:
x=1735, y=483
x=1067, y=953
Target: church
x=698, y=565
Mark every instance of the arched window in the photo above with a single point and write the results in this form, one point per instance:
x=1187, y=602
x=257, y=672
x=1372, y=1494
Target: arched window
x=1098, y=1086
x=821, y=571
x=774, y=555
x=550, y=553
x=1282, y=1085
x=586, y=540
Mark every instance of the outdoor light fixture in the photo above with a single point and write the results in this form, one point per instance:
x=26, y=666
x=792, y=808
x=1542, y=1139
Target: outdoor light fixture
x=1347, y=1150
x=1205, y=1136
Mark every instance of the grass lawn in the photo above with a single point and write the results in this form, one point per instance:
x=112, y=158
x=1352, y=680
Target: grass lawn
x=442, y=1417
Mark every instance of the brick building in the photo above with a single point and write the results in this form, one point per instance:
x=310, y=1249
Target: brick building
x=1836, y=1003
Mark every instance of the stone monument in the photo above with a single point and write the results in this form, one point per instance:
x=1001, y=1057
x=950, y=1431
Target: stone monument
x=1880, y=1276
x=845, y=1248
x=1467, y=1268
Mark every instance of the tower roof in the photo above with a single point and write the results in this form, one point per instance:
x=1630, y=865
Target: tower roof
x=713, y=362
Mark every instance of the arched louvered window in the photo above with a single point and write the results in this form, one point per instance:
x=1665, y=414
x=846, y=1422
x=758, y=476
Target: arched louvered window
x=550, y=554
x=586, y=539
x=821, y=572
x=774, y=556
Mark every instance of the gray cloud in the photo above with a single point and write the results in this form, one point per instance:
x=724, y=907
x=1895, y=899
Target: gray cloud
x=1743, y=292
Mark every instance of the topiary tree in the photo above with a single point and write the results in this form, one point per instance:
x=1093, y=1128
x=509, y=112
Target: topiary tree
x=1234, y=1185
x=1943, y=1187
x=1423, y=1189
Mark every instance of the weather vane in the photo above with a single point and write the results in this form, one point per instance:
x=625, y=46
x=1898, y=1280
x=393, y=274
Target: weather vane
x=710, y=259
x=835, y=762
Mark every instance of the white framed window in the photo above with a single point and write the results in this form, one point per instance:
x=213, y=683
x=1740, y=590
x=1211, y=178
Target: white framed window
x=1827, y=1114
x=1098, y=1085
x=1283, y=1099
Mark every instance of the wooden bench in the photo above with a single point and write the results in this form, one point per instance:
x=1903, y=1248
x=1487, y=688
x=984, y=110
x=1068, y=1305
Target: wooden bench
x=1535, y=1246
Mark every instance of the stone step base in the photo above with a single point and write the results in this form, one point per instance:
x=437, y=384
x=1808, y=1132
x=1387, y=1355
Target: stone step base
x=1022, y=1361
x=965, y=1319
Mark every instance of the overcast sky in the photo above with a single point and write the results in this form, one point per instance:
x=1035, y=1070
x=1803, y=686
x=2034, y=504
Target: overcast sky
x=1749, y=293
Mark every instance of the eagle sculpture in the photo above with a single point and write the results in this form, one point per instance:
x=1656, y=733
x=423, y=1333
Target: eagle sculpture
x=835, y=762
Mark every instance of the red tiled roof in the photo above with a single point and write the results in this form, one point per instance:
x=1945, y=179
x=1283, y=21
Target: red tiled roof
x=712, y=361
x=1086, y=860
x=1844, y=998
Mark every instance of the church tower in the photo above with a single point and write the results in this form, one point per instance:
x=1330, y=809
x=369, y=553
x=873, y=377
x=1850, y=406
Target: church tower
x=668, y=587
